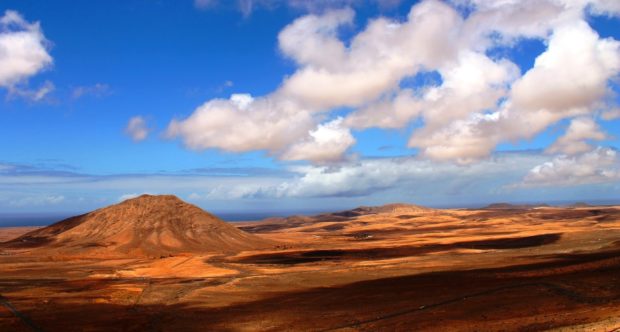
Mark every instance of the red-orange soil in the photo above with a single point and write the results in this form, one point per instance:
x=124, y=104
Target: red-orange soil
x=9, y=233
x=394, y=268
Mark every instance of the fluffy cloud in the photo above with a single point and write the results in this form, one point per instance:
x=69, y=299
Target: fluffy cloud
x=286, y=122
x=471, y=84
x=392, y=111
x=572, y=74
x=598, y=166
x=574, y=141
x=603, y=7
x=481, y=101
x=452, y=111
x=412, y=175
x=498, y=21
x=243, y=123
x=570, y=78
x=326, y=143
x=360, y=178
x=23, y=50
x=137, y=128
x=378, y=58
x=463, y=141
x=312, y=39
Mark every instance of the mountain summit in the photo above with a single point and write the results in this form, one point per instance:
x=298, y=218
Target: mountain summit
x=144, y=226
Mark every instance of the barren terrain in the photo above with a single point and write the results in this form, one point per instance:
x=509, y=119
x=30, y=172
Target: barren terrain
x=396, y=268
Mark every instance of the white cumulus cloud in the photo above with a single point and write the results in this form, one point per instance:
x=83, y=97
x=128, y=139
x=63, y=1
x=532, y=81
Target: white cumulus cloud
x=23, y=51
x=137, y=128
x=576, y=138
x=243, y=123
x=481, y=101
x=597, y=166
x=327, y=142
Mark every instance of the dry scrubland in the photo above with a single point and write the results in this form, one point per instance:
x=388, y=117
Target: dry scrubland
x=157, y=263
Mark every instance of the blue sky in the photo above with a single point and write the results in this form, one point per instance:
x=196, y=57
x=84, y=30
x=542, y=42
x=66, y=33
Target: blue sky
x=279, y=105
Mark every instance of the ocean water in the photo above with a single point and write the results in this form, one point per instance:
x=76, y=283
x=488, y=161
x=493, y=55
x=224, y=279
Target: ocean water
x=31, y=219
x=236, y=217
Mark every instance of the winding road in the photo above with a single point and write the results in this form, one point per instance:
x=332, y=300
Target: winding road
x=23, y=317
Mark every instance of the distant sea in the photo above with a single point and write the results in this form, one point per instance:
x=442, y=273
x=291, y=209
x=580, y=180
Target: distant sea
x=31, y=219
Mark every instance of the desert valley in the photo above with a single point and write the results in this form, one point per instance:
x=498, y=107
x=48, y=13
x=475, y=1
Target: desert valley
x=295, y=165
x=156, y=263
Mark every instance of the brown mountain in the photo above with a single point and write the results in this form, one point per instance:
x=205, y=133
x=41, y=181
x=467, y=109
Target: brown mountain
x=395, y=208
x=399, y=208
x=143, y=226
x=508, y=206
x=275, y=224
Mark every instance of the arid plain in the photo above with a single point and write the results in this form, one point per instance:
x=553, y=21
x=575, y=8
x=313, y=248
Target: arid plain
x=155, y=263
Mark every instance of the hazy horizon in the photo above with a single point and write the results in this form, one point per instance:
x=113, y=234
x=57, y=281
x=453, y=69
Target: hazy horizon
x=46, y=218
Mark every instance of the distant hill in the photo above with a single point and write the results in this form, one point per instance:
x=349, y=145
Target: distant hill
x=580, y=205
x=508, y=206
x=279, y=223
x=395, y=208
x=144, y=226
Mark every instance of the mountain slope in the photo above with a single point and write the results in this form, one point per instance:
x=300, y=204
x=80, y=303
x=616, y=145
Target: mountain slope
x=395, y=208
x=146, y=225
